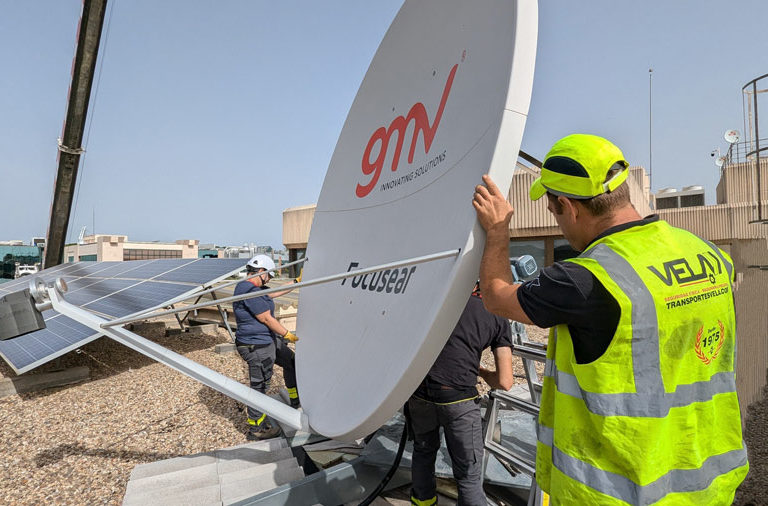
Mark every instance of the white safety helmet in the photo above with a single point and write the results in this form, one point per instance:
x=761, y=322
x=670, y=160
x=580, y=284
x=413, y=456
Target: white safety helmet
x=261, y=262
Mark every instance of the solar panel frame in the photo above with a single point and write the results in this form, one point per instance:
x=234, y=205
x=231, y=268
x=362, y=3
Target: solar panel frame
x=111, y=290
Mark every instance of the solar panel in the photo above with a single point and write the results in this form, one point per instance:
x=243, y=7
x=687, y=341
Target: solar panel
x=111, y=290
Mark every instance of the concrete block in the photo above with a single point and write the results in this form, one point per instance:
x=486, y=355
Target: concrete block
x=201, y=496
x=171, y=465
x=224, y=348
x=243, y=489
x=203, y=475
x=196, y=477
x=325, y=458
x=173, y=331
x=265, y=445
x=253, y=472
x=208, y=328
x=212, y=315
x=247, y=457
x=286, y=311
x=215, y=320
x=182, y=480
x=35, y=382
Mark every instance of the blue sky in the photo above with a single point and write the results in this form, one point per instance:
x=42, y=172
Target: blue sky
x=211, y=118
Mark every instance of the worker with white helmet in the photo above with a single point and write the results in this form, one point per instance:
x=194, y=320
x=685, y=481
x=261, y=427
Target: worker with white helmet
x=262, y=341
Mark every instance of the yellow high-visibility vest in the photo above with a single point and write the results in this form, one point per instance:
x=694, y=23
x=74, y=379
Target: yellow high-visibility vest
x=655, y=419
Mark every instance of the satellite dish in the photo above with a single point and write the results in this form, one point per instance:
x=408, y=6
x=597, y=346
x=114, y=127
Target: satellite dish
x=732, y=136
x=719, y=161
x=449, y=80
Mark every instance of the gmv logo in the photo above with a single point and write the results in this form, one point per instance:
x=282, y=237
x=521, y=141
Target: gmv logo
x=382, y=135
x=680, y=271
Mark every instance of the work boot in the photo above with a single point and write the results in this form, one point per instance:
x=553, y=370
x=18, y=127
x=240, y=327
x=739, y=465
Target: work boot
x=264, y=431
x=295, y=403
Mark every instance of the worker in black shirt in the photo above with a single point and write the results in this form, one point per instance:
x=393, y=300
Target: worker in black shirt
x=639, y=402
x=448, y=398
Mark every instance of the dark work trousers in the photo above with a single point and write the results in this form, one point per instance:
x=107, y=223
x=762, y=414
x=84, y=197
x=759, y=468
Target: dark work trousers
x=462, y=425
x=261, y=360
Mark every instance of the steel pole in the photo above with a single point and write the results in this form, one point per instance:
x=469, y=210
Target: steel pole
x=325, y=279
x=138, y=314
x=229, y=387
x=70, y=144
x=757, y=156
x=650, y=131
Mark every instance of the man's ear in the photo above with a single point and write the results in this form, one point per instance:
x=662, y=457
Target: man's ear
x=570, y=208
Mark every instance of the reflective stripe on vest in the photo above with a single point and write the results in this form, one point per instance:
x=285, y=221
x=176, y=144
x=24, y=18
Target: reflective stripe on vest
x=621, y=487
x=653, y=404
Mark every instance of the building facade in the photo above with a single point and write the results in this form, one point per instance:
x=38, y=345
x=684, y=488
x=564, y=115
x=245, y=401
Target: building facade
x=532, y=231
x=733, y=225
x=117, y=248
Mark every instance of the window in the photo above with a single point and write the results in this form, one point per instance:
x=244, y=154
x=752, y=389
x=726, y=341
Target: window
x=293, y=255
x=87, y=258
x=150, y=254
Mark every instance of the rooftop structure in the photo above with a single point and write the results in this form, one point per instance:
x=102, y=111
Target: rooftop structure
x=117, y=248
x=688, y=196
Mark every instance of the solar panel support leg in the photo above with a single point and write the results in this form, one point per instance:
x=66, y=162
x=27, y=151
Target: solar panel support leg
x=224, y=318
x=229, y=387
x=178, y=319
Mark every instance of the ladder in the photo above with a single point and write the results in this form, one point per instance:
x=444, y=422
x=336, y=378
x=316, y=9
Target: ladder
x=530, y=353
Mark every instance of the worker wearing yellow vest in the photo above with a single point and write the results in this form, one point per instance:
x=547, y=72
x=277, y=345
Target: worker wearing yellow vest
x=639, y=400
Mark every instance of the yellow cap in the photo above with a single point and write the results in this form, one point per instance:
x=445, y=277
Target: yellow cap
x=577, y=166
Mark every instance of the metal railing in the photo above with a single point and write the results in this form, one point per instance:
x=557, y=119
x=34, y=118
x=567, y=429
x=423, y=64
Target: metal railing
x=739, y=152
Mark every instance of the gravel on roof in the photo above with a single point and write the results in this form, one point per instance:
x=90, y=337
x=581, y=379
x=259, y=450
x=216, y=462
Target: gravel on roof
x=78, y=444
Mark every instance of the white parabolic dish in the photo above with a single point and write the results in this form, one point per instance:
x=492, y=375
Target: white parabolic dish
x=449, y=80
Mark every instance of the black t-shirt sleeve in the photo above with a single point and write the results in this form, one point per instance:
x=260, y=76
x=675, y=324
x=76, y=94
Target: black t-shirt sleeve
x=567, y=293
x=503, y=335
x=558, y=295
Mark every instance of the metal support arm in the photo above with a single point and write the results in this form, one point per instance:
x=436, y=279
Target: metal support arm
x=229, y=387
x=294, y=286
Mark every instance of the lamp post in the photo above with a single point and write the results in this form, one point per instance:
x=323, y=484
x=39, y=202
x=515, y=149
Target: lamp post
x=650, y=129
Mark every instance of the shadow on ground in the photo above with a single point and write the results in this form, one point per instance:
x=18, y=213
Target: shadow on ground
x=224, y=407
x=106, y=357
x=58, y=453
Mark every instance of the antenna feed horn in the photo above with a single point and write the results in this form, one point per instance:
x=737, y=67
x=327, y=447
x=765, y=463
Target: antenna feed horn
x=38, y=289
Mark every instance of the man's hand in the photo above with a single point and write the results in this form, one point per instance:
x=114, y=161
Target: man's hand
x=496, y=280
x=493, y=210
x=290, y=337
